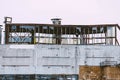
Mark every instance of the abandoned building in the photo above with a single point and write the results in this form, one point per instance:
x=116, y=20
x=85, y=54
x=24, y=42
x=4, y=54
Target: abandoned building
x=59, y=52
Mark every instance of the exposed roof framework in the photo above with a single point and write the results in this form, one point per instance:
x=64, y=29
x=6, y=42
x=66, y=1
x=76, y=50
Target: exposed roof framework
x=104, y=34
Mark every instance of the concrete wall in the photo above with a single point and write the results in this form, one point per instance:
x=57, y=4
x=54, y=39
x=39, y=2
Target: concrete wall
x=53, y=59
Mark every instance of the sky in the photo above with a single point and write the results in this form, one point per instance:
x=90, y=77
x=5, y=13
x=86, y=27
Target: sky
x=70, y=11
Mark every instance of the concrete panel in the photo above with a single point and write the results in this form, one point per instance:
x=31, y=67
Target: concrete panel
x=54, y=59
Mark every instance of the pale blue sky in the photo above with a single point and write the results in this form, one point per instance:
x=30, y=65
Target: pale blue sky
x=71, y=11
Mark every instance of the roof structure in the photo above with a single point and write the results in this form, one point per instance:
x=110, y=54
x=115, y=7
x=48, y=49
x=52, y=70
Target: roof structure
x=95, y=25
x=62, y=34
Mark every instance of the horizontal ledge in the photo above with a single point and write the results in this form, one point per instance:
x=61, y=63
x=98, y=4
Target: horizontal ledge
x=99, y=57
x=56, y=65
x=65, y=37
x=15, y=56
x=54, y=57
x=15, y=65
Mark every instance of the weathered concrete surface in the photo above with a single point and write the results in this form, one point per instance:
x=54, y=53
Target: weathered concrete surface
x=54, y=59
